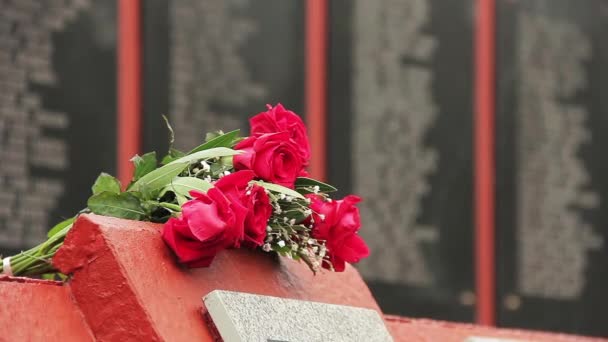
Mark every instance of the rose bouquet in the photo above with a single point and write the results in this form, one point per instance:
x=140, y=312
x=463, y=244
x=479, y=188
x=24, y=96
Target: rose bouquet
x=229, y=192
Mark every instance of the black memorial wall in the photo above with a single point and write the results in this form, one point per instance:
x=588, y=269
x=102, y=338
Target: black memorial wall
x=400, y=127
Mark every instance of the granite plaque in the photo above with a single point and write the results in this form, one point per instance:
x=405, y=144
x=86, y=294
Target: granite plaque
x=244, y=317
x=57, y=111
x=211, y=65
x=552, y=184
x=400, y=128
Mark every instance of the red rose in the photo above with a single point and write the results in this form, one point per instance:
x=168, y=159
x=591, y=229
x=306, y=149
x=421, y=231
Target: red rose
x=273, y=157
x=237, y=188
x=209, y=223
x=337, y=222
x=278, y=119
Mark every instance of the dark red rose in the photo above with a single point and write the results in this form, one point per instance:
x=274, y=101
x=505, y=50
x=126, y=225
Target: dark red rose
x=273, y=157
x=208, y=224
x=278, y=119
x=237, y=188
x=338, y=222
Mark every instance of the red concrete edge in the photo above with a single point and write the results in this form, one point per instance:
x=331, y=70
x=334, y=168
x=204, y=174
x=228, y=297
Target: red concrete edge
x=119, y=319
x=484, y=162
x=129, y=87
x=24, y=280
x=413, y=330
x=129, y=285
x=40, y=310
x=316, y=84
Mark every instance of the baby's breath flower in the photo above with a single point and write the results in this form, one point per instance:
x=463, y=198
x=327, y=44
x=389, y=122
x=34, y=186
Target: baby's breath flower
x=266, y=247
x=281, y=243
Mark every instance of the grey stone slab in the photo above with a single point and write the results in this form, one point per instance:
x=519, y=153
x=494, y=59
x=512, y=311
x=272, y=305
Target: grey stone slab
x=244, y=317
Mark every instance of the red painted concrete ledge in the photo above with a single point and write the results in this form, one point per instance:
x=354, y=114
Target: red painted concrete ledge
x=125, y=285
x=39, y=310
x=129, y=286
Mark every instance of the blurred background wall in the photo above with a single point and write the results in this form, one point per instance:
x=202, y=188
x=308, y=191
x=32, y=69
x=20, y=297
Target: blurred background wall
x=472, y=128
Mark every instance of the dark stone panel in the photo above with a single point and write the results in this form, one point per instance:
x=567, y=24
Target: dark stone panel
x=211, y=65
x=155, y=75
x=552, y=210
x=57, y=111
x=400, y=135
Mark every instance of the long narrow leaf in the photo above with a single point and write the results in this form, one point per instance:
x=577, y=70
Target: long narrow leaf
x=303, y=182
x=206, y=154
x=224, y=140
x=159, y=178
x=278, y=188
x=183, y=185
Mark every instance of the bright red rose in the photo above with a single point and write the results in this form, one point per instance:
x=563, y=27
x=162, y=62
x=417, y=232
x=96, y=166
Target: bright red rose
x=237, y=188
x=209, y=223
x=338, y=222
x=273, y=157
x=278, y=119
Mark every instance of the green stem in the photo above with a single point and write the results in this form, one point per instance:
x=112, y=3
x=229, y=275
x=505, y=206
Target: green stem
x=170, y=206
x=37, y=260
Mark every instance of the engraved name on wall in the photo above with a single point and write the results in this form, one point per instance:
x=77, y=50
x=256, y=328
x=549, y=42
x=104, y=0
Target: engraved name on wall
x=207, y=69
x=27, y=141
x=393, y=110
x=554, y=190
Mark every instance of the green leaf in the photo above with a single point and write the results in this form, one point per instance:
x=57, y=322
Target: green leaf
x=158, y=179
x=278, y=188
x=303, y=182
x=59, y=226
x=143, y=165
x=105, y=182
x=123, y=205
x=172, y=155
x=212, y=135
x=182, y=185
x=224, y=140
x=206, y=154
x=181, y=199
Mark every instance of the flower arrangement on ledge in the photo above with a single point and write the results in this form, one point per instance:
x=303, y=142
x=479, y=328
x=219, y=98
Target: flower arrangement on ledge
x=229, y=192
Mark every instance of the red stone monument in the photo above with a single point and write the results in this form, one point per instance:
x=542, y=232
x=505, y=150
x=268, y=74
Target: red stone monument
x=126, y=286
